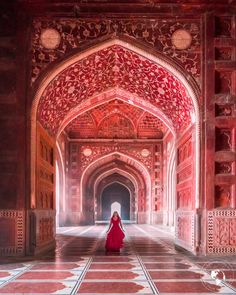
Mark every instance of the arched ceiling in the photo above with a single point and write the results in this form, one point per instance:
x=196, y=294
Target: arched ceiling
x=116, y=119
x=115, y=177
x=107, y=168
x=114, y=67
x=111, y=161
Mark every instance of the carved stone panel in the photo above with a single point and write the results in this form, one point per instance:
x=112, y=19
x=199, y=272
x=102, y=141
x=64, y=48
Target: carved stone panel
x=224, y=110
x=224, y=53
x=223, y=81
x=45, y=171
x=221, y=232
x=42, y=230
x=185, y=151
x=223, y=196
x=223, y=167
x=132, y=150
x=223, y=139
x=185, y=229
x=223, y=26
x=184, y=198
x=12, y=227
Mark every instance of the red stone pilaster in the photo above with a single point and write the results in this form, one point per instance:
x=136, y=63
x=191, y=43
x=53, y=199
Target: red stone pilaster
x=13, y=46
x=219, y=84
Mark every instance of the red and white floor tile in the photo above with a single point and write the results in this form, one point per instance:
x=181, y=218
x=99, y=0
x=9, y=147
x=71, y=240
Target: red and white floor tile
x=148, y=264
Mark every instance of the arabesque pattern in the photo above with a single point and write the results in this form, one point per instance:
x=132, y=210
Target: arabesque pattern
x=116, y=119
x=155, y=33
x=112, y=67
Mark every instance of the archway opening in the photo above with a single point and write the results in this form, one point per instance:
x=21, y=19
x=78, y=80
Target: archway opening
x=116, y=207
x=116, y=197
x=104, y=120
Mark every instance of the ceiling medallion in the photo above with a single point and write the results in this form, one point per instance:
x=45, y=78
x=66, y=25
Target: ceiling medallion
x=87, y=152
x=50, y=38
x=181, y=39
x=145, y=153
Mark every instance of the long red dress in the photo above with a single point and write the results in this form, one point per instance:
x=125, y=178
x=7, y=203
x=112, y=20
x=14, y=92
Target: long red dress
x=115, y=236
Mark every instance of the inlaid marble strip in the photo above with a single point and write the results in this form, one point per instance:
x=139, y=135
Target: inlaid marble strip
x=149, y=279
x=87, y=266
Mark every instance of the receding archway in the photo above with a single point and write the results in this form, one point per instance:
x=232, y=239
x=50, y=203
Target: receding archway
x=133, y=170
x=124, y=179
x=115, y=193
x=51, y=113
x=186, y=84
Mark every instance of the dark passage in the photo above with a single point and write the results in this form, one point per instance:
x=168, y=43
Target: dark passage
x=116, y=193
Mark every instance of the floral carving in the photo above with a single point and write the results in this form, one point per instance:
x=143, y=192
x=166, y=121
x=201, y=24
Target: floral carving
x=223, y=196
x=224, y=110
x=184, y=228
x=223, y=167
x=223, y=82
x=223, y=26
x=156, y=33
x=223, y=139
x=185, y=151
x=100, y=150
x=116, y=119
x=223, y=53
x=116, y=126
x=112, y=67
x=46, y=230
x=224, y=232
x=184, y=198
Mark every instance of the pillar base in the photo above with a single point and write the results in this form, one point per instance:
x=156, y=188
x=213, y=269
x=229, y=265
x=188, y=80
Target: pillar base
x=12, y=232
x=42, y=231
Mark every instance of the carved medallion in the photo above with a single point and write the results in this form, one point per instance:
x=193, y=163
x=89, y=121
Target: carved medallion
x=50, y=38
x=145, y=153
x=87, y=152
x=181, y=39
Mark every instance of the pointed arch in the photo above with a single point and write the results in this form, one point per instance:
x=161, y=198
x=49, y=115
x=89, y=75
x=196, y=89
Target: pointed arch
x=155, y=57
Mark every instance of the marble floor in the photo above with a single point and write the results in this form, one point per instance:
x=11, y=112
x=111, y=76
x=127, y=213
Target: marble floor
x=148, y=264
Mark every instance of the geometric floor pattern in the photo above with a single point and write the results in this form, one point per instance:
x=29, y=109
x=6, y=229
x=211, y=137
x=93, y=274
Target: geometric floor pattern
x=148, y=264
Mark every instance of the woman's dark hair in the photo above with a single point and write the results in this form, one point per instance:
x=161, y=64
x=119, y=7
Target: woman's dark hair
x=115, y=212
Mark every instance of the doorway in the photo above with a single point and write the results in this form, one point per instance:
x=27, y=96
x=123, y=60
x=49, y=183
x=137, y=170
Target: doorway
x=116, y=197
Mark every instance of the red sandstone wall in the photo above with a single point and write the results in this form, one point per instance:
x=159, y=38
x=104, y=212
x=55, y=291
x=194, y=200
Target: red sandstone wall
x=220, y=144
x=186, y=191
x=211, y=62
x=13, y=142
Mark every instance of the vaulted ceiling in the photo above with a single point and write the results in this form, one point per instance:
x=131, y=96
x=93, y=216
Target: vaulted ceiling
x=116, y=119
x=114, y=67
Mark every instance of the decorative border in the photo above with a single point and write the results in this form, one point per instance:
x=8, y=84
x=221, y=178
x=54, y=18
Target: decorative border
x=19, y=219
x=211, y=215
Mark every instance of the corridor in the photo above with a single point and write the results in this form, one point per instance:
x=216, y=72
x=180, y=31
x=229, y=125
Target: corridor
x=148, y=264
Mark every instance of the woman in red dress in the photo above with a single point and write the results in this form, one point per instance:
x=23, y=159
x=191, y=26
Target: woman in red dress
x=115, y=234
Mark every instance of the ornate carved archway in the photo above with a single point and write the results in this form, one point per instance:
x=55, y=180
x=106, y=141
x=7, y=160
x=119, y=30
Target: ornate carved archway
x=125, y=178
x=105, y=166
x=162, y=89
x=184, y=83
